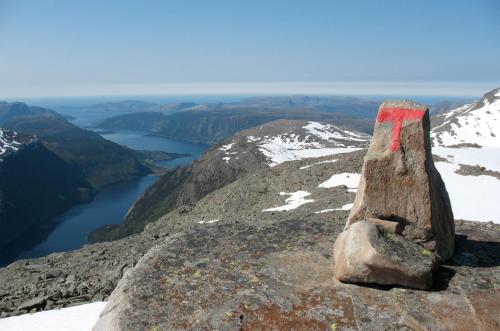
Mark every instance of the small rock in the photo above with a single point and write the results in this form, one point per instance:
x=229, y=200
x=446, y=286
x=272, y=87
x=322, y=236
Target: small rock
x=33, y=303
x=367, y=253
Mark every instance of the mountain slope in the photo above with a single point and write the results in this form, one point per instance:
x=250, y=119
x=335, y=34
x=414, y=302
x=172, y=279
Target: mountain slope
x=472, y=124
x=467, y=141
x=35, y=185
x=247, y=152
x=98, y=160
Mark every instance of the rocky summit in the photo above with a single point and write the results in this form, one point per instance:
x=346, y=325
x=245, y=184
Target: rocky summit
x=256, y=254
x=242, y=276
x=402, y=205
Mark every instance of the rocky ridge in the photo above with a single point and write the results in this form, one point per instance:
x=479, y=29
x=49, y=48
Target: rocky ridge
x=247, y=152
x=11, y=141
x=231, y=275
x=474, y=124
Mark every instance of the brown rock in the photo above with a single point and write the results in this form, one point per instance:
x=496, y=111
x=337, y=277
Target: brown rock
x=368, y=253
x=399, y=181
x=390, y=226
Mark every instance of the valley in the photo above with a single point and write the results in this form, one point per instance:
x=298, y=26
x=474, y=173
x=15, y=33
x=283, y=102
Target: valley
x=100, y=196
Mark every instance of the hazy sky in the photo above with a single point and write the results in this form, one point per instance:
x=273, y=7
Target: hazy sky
x=210, y=46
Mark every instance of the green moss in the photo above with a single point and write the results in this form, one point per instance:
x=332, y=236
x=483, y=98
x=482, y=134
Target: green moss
x=426, y=252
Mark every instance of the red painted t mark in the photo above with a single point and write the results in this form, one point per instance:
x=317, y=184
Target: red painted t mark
x=397, y=116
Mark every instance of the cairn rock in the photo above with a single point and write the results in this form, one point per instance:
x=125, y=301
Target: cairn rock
x=401, y=224
x=368, y=253
x=399, y=182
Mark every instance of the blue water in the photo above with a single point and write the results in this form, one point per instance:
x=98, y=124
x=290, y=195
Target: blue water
x=110, y=205
x=141, y=141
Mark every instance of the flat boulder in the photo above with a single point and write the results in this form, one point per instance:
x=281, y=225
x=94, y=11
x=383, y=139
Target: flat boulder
x=368, y=253
x=278, y=276
x=399, y=182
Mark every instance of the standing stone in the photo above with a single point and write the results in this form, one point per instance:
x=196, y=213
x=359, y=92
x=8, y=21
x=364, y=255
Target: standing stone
x=399, y=182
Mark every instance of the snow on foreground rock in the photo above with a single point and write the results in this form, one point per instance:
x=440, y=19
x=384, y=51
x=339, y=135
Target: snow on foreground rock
x=77, y=318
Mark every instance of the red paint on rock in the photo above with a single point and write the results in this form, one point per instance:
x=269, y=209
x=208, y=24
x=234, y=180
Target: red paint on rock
x=398, y=115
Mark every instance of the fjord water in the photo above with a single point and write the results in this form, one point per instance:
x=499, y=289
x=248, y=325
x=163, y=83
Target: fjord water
x=109, y=206
x=140, y=140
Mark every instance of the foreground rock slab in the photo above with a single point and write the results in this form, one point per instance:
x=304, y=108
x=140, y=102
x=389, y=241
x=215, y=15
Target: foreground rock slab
x=399, y=181
x=230, y=276
x=368, y=253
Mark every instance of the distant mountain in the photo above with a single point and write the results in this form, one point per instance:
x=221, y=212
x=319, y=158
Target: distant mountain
x=347, y=105
x=35, y=185
x=144, y=121
x=130, y=107
x=99, y=162
x=211, y=123
x=471, y=124
x=247, y=152
x=125, y=106
x=9, y=111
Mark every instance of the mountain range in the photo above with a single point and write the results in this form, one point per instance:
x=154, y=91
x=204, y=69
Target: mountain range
x=276, y=195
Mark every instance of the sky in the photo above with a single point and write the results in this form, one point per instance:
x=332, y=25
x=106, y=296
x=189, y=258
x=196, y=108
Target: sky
x=62, y=48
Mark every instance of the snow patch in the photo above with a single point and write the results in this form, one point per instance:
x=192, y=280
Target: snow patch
x=313, y=140
x=487, y=157
x=332, y=132
x=313, y=164
x=77, y=318
x=252, y=139
x=279, y=150
x=295, y=200
x=473, y=198
x=8, y=142
x=465, y=124
x=324, y=211
x=349, y=179
x=208, y=222
x=345, y=207
x=227, y=147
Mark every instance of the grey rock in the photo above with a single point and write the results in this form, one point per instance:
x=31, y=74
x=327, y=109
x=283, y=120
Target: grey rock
x=368, y=253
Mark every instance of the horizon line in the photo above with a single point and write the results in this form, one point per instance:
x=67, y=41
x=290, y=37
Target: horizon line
x=415, y=88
